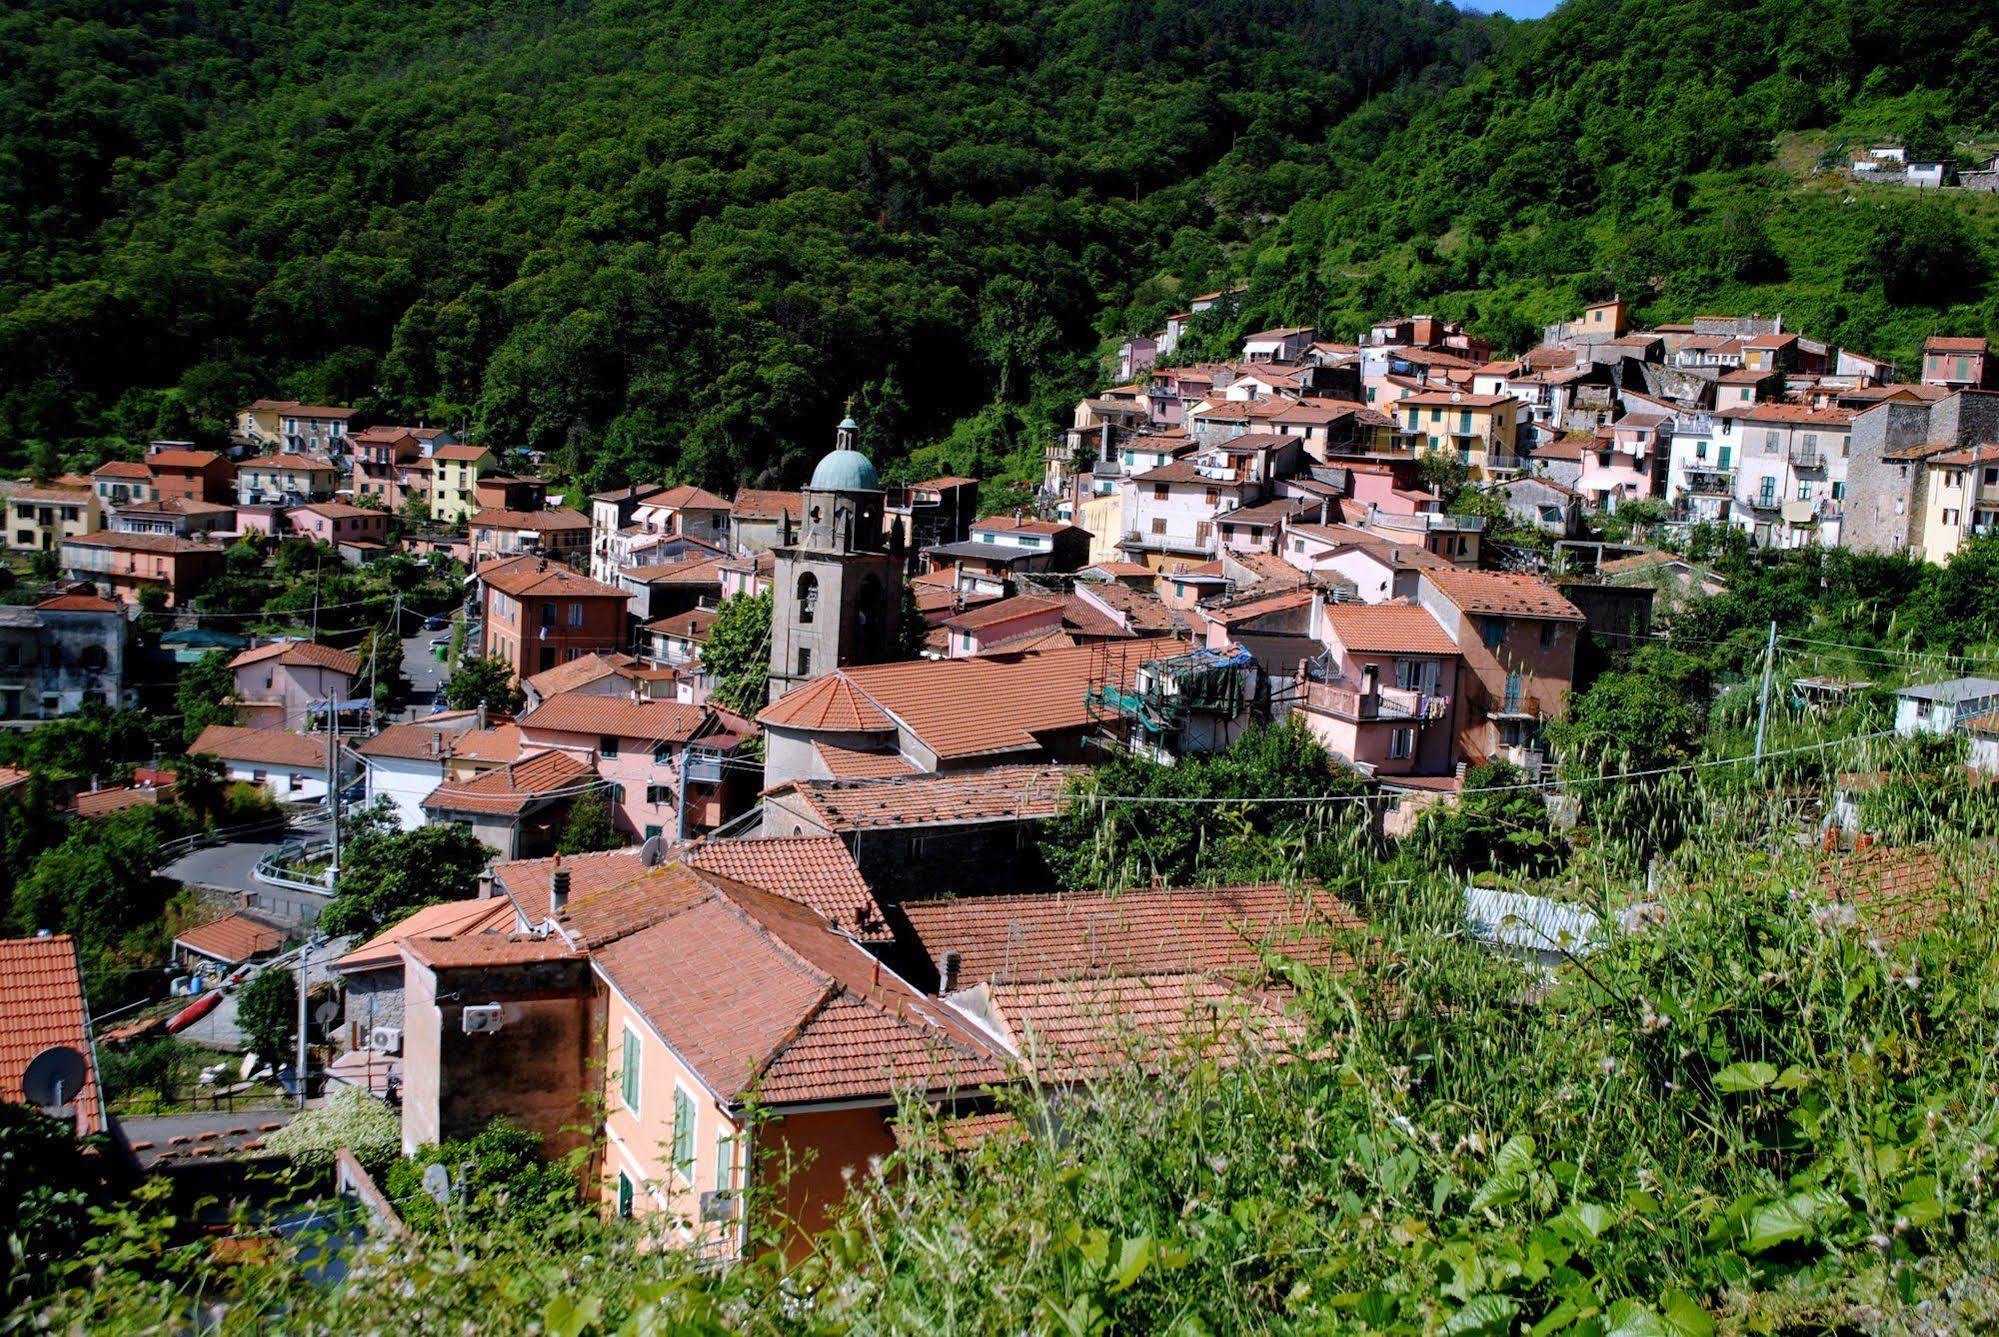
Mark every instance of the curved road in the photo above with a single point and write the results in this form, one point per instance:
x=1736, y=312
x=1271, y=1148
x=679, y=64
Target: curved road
x=232, y=867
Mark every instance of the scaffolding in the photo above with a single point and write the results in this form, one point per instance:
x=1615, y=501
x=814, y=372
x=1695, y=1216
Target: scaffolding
x=1164, y=696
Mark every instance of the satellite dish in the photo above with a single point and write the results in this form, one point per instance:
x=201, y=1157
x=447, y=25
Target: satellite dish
x=649, y=852
x=53, y=1078
x=326, y=1013
x=437, y=1183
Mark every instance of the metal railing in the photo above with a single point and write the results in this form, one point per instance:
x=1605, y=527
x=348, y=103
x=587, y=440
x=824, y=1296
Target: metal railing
x=1807, y=457
x=278, y=868
x=181, y=846
x=1166, y=543
x=1711, y=482
x=1383, y=703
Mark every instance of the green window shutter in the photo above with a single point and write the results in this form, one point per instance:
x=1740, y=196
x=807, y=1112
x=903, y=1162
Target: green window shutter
x=725, y=1163
x=624, y=1194
x=683, y=1134
x=628, y=1076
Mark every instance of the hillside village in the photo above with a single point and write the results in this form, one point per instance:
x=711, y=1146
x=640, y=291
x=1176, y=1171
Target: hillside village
x=812, y=897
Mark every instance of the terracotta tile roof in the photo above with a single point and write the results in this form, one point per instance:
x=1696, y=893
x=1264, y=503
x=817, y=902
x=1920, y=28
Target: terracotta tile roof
x=580, y=672
x=487, y=949
x=815, y=871
x=1007, y=524
x=1084, y=618
x=336, y=510
x=60, y=496
x=1388, y=628
x=461, y=454
x=1004, y=610
x=42, y=1007
x=1452, y=399
x=618, y=717
x=1057, y=936
x=501, y=743
x=848, y=764
x=759, y=996
x=121, y=469
x=1985, y=724
x=1268, y=568
x=687, y=498
x=1268, y=513
x=1970, y=455
x=103, y=802
x=998, y=793
x=830, y=705
x=287, y=463
x=546, y=521
x=1074, y=1030
x=183, y=459
x=756, y=504
x=1179, y=471
x=525, y=881
x=999, y=703
x=1944, y=343
x=1123, y=570
x=699, y=569
x=636, y=492
x=1258, y=605
x=1803, y=414
x=232, y=939
x=1503, y=594
x=537, y=577
x=302, y=654
x=946, y=481
x=449, y=919
x=691, y=625
x=961, y=1133
x=78, y=603
x=273, y=747
x=13, y=777
x=164, y=544
x=415, y=739
x=1896, y=894
x=513, y=788
x=330, y=412
x=1138, y=611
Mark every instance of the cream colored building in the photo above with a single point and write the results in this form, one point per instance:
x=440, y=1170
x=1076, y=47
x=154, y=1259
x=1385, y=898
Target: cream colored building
x=39, y=518
x=1960, y=500
x=454, y=481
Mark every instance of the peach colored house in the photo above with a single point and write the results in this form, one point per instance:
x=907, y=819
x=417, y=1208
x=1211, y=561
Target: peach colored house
x=1518, y=637
x=333, y=522
x=635, y=747
x=644, y=1011
x=129, y=563
x=1389, y=703
x=278, y=684
x=539, y=614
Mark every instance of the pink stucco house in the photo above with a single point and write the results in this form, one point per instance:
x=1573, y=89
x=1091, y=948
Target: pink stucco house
x=1389, y=703
x=635, y=747
x=278, y=684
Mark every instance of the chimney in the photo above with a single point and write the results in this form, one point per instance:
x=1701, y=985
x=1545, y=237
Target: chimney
x=947, y=971
x=486, y=889
x=436, y=742
x=558, y=891
x=479, y=720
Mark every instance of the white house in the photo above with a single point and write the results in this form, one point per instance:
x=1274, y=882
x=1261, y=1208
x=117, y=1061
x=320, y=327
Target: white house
x=1944, y=707
x=405, y=762
x=291, y=766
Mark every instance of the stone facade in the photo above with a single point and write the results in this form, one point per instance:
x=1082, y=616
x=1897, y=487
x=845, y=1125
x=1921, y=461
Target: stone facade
x=1884, y=494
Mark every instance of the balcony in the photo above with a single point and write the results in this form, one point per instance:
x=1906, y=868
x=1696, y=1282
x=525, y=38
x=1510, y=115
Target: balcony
x=1137, y=541
x=1350, y=702
x=1807, y=457
x=1426, y=522
x=1504, y=464
x=1516, y=705
x=1706, y=482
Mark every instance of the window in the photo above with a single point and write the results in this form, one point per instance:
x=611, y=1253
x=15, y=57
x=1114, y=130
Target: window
x=804, y=663
x=808, y=596
x=1493, y=632
x=683, y=1134
x=628, y=1072
x=624, y=1195
x=1158, y=525
x=1804, y=492
x=1548, y=631
x=1297, y=545
x=1839, y=491
x=576, y=615
x=1436, y=416
x=1160, y=492
x=659, y=794
x=548, y=615
x=1401, y=743
x=1950, y=517
x=607, y=746
x=725, y=1161
x=662, y=754
x=1212, y=496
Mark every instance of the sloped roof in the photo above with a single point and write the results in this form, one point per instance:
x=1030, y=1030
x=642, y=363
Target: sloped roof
x=461, y=454
x=1944, y=343
x=579, y=672
x=515, y=787
x=1388, y=628
x=618, y=716
x=1004, y=610
x=303, y=654
x=849, y=764
x=758, y=504
x=1503, y=594
x=691, y=625
x=818, y=872
x=996, y=793
x=42, y=1007
x=183, y=459
x=448, y=919
x=232, y=939
x=687, y=498
x=78, y=603
x=545, y=521
x=121, y=469
x=830, y=704
x=1896, y=893
x=537, y=577
x=271, y=747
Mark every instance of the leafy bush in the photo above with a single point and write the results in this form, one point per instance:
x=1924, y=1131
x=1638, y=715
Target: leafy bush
x=500, y=1174
x=386, y=872
x=267, y=1014
x=350, y=1118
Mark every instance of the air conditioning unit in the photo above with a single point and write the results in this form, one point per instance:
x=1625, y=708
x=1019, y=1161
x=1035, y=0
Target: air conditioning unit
x=481, y=1019
x=386, y=1040
x=717, y=1205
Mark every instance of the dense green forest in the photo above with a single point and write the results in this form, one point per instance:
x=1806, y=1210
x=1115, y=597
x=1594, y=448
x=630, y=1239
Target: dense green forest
x=649, y=235
x=638, y=234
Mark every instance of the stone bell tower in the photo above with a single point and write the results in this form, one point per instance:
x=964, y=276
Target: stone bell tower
x=837, y=584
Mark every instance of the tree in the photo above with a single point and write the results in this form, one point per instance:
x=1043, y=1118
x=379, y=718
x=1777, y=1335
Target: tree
x=1922, y=252
x=1496, y=823
x=484, y=681
x=385, y=873
x=47, y=1185
x=267, y=1014
x=1014, y=330
x=589, y=827
x=501, y=1172
x=206, y=694
x=736, y=656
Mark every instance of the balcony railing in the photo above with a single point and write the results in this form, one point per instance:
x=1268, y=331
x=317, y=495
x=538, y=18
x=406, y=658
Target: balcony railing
x=1518, y=705
x=1807, y=457
x=1348, y=701
x=1504, y=464
x=1711, y=482
x=1180, y=543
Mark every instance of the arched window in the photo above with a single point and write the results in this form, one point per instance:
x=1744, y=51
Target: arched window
x=808, y=596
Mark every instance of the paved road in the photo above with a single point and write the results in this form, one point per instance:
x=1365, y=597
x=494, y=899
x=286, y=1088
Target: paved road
x=424, y=670
x=232, y=867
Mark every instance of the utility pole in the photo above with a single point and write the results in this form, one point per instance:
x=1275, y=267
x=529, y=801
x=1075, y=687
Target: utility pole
x=304, y=974
x=680, y=798
x=1763, y=696
x=333, y=780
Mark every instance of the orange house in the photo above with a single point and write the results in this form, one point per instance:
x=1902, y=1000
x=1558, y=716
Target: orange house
x=539, y=614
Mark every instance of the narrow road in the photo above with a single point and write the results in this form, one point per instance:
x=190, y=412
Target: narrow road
x=232, y=867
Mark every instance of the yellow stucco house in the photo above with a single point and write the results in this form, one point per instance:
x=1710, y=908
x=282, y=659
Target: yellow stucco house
x=1482, y=430
x=39, y=518
x=454, y=480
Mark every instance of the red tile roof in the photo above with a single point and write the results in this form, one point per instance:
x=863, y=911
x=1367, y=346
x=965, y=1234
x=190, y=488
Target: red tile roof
x=686, y=498
x=530, y=576
x=830, y=704
x=164, y=544
x=302, y=654
x=1388, y=628
x=815, y=871
x=272, y=747
x=515, y=787
x=291, y=464
x=1503, y=594
x=1004, y=610
x=1944, y=343
x=461, y=454
x=1896, y=894
x=121, y=469
x=42, y=1007
x=998, y=793
x=232, y=939
x=545, y=521
x=697, y=569
x=618, y=717
x=103, y=802
x=1452, y=399
x=848, y=764
x=183, y=459
x=755, y=504
x=579, y=672
x=691, y=625
x=449, y=919
x=78, y=603
x=760, y=997
x=1260, y=605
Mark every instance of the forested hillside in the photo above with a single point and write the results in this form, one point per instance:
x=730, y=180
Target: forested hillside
x=638, y=234
x=1664, y=150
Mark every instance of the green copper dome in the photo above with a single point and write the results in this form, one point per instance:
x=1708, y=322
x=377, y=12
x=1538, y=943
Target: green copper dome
x=845, y=471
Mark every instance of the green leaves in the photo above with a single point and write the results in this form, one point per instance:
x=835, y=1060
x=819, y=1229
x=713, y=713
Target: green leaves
x=1739, y=1077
